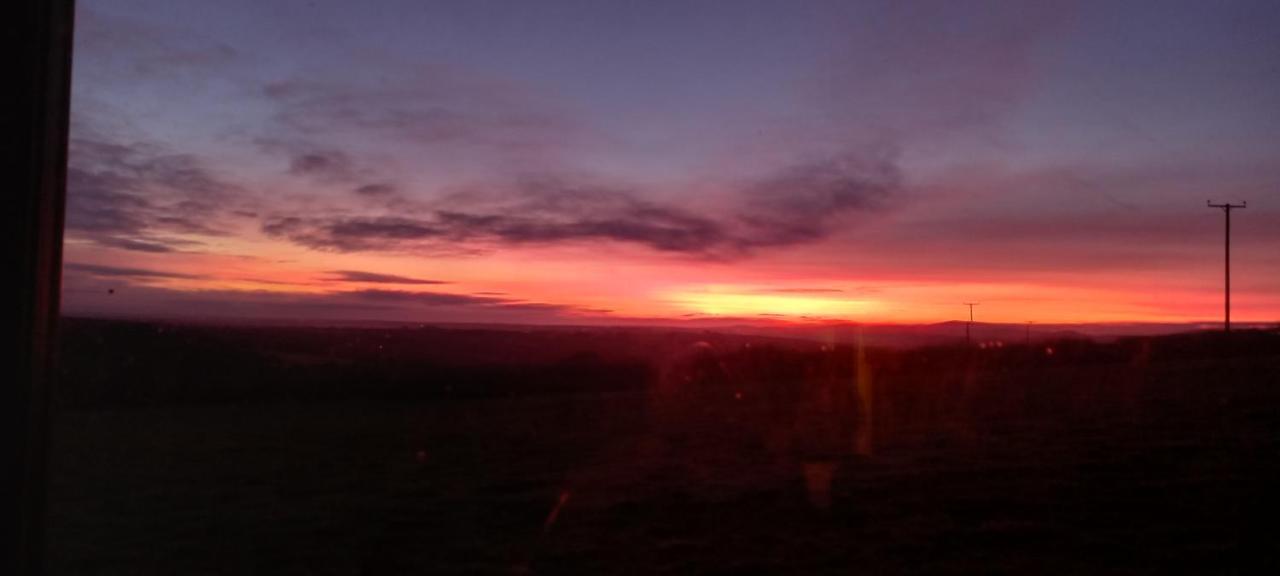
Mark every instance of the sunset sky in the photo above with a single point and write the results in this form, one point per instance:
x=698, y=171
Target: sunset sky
x=653, y=162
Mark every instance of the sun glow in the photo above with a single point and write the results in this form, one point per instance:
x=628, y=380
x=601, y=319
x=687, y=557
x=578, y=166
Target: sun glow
x=728, y=302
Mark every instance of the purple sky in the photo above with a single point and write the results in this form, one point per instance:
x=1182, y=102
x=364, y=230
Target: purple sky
x=613, y=161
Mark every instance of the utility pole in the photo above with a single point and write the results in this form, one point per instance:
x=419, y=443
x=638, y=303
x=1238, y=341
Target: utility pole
x=968, y=340
x=1226, y=302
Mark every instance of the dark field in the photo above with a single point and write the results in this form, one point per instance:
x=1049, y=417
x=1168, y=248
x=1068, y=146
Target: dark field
x=201, y=450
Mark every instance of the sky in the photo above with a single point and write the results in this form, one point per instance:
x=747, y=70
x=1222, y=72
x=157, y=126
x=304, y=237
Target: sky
x=602, y=162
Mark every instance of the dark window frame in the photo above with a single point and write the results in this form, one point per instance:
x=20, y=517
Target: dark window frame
x=38, y=38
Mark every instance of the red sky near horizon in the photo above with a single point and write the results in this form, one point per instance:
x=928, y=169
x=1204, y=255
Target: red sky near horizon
x=561, y=162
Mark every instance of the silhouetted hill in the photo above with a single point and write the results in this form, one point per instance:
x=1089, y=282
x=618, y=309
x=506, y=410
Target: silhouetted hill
x=124, y=361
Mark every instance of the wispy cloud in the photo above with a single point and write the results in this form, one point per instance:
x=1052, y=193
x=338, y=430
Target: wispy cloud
x=448, y=300
x=351, y=234
x=423, y=298
x=802, y=290
x=376, y=190
x=375, y=278
x=323, y=165
x=110, y=47
x=121, y=272
x=137, y=196
x=924, y=71
x=430, y=106
x=136, y=245
x=801, y=203
x=797, y=205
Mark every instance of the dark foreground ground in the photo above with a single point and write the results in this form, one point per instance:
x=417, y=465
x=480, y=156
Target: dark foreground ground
x=189, y=450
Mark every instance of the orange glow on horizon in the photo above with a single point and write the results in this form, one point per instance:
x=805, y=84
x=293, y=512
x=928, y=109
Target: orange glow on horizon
x=574, y=287
x=716, y=301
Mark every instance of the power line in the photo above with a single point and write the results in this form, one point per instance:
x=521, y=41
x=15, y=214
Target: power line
x=1226, y=302
x=968, y=327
